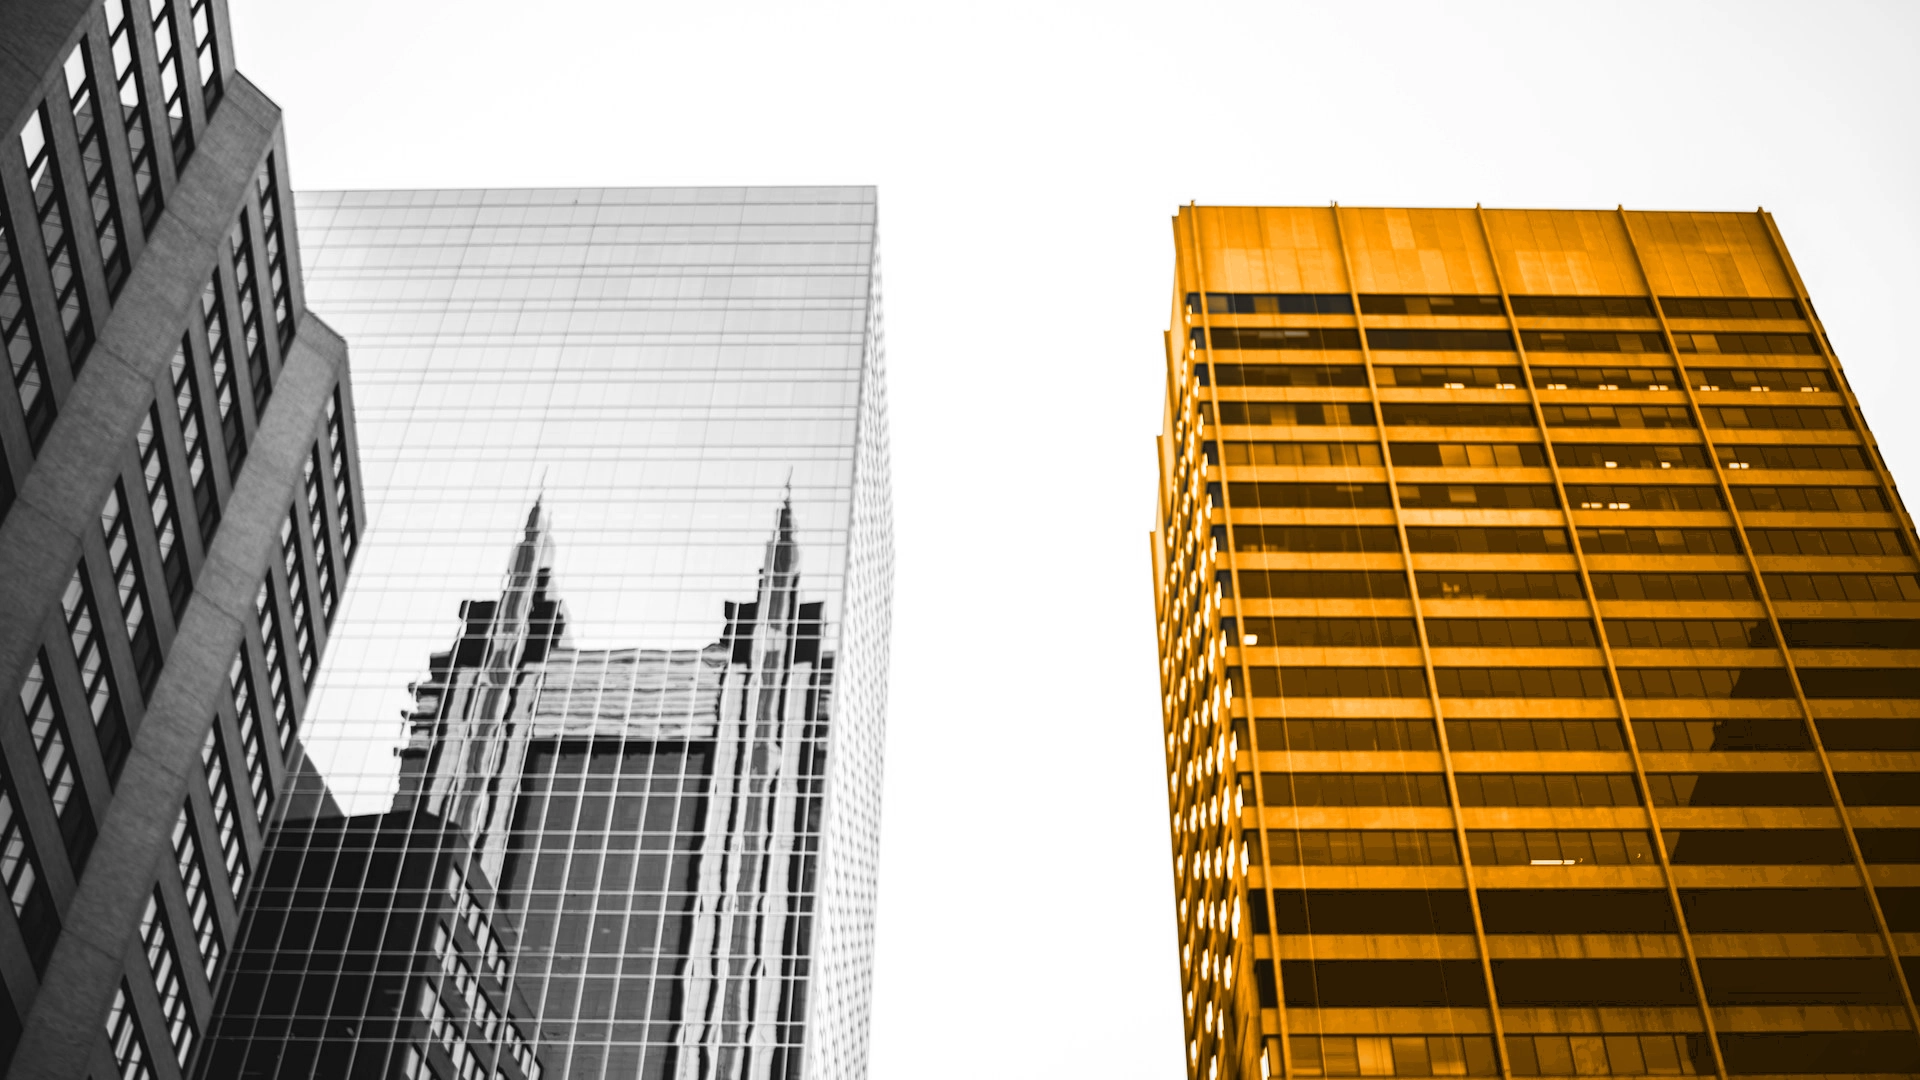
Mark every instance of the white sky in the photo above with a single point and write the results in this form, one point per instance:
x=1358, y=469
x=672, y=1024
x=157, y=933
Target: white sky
x=1028, y=158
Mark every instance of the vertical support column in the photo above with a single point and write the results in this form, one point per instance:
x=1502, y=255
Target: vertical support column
x=1426, y=659
x=1606, y=648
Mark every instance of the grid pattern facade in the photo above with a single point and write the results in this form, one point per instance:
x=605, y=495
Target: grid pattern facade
x=665, y=409
x=139, y=179
x=1538, y=628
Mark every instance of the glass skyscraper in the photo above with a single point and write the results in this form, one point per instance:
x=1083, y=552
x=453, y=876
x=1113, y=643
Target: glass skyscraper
x=621, y=800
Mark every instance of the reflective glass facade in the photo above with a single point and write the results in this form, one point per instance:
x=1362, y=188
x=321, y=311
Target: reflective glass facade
x=616, y=650
x=1540, y=649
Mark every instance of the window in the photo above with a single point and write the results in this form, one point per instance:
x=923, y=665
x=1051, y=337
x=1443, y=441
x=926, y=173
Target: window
x=1757, y=847
x=1738, y=789
x=1899, y=684
x=1510, y=633
x=1276, y=337
x=27, y=363
x=199, y=893
x=1595, y=540
x=1813, y=1052
x=1688, y=634
x=173, y=82
x=1491, y=540
x=123, y=1035
x=1249, y=494
x=1728, y=307
x=1396, y=304
x=342, y=480
x=116, y=524
x=1497, y=585
x=1469, y=455
x=1826, y=542
x=1779, y=418
x=95, y=171
x=1547, y=789
x=193, y=434
x=1840, y=500
x=1628, y=456
x=1705, y=683
x=1326, y=633
x=1604, y=378
x=1583, y=307
x=96, y=678
x=1448, y=378
x=1564, y=847
x=1829, y=587
x=1439, y=414
x=1591, y=341
x=1642, y=497
x=1738, y=733
x=1283, y=374
x=1375, y=682
x=164, y=963
x=207, y=51
x=266, y=606
x=1392, y=1055
x=1528, y=682
x=1748, y=344
x=26, y=886
x=1353, y=789
x=1855, y=734
x=1363, y=734
x=153, y=467
x=1439, y=340
x=267, y=186
x=1273, y=303
x=317, y=528
x=1479, y=496
x=1361, y=847
x=1852, y=633
x=1309, y=454
x=1618, y=416
x=246, y=708
x=1296, y=413
x=1792, y=457
x=295, y=566
x=226, y=808
x=1672, y=587
x=1315, y=538
x=133, y=109
x=1533, y=735
x=247, y=291
x=1761, y=380
x=1609, y=1055
x=1335, y=584
x=54, y=749
x=213, y=312
x=1889, y=845
x=50, y=209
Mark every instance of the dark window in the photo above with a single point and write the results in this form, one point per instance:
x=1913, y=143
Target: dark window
x=315, y=490
x=1779, y=417
x=213, y=313
x=1826, y=542
x=173, y=84
x=1852, y=633
x=1441, y=414
x=247, y=293
x=207, y=51
x=1547, y=789
x=1583, y=307
x=1705, y=683
x=1598, y=541
x=1889, y=845
x=25, y=885
x=1564, y=847
x=1360, y=847
x=129, y=1045
x=268, y=187
x=1750, y=344
x=1777, y=911
x=1531, y=735
x=1628, y=456
x=1543, y=682
x=1269, y=682
x=1740, y=733
x=1805, y=380
x=1469, y=455
x=193, y=433
x=1399, y=304
x=1312, y=734
x=1273, y=303
x=116, y=525
x=1408, y=1055
x=1329, y=584
x=1487, y=540
x=1604, y=378
x=1310, y=454
x=1496, y=585
x=1353, y=789
x=266, y=608
x=24, y=358
x=226, y=809
x=1688, y=634
x=1841, y=500
x=1373, y=984
x=47, y=725
x=1738, y=789
x=342, y=481
x=1439, y=340
x=1791, y=457
x=1296, y=413
x=1896, y=683
x=1828, y=1053
x=1618, y=416
x=1277, y=337
x=1315, y=538
x=1283, y=374
x=133, y=108
x=1672, y=587
x=1448, y=378
x=57, y=235
x=197, y=888
x=1371, y=911
x=1799, y=980
x=1852, y=734
x=1592, y=341
x=1879, y=788
x=294, y=563
x=96, y=675
x=1328, y=633
x=1729, y=307
x=1563, y=983
x=1622, y=1055
x=1831, y=587
x=96, y=173
x=160, y=506
x=1248, y=494
x=1757, y=847
x=1479, y=496
x=1576, y=911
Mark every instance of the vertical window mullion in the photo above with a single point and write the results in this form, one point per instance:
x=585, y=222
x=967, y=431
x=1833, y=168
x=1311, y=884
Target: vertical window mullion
x=123, y=557
x=226, y=391
x=161, y=506
x=96, y=673
x=193, y=435
x=95, y=167
x=267, y=186
x=266, y=603
x=132, y=95
x=247, y=294
x=173, y=83
x=56, y=234
x=47, y=726
x=28, y=365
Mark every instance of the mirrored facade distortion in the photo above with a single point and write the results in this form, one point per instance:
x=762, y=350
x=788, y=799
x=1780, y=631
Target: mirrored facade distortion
x=1538, y=628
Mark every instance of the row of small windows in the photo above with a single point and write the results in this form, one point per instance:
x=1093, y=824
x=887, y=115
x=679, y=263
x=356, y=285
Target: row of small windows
x=1454, y=414
x=1574, y=682
x=1570, y=307
x=1533, y=455
x=1322, y=339
x=1510, y=378
x=1572, y=633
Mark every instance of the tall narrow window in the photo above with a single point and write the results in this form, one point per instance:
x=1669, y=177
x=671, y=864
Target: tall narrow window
x=133, y=109
x=89, y=130
x=275, y=239
x=173, y=83
x=207, y=50
x=26, y=886
x=246, y=707
x=123, y=1035
x=198, y=889
x=50, y=208
x=90, y=655
x=116, y=524
x=266, y=606
x=317, y=528
x=297, y=597
x=193, y=432
x=27, y=363
x=166, y=522
x=342, y=482
x=164, y=964
x=48, y=727
x=213, y=311
x=226, y=808
x=247, y=291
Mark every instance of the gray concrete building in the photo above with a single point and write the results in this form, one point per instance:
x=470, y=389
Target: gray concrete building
x=179, y=508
